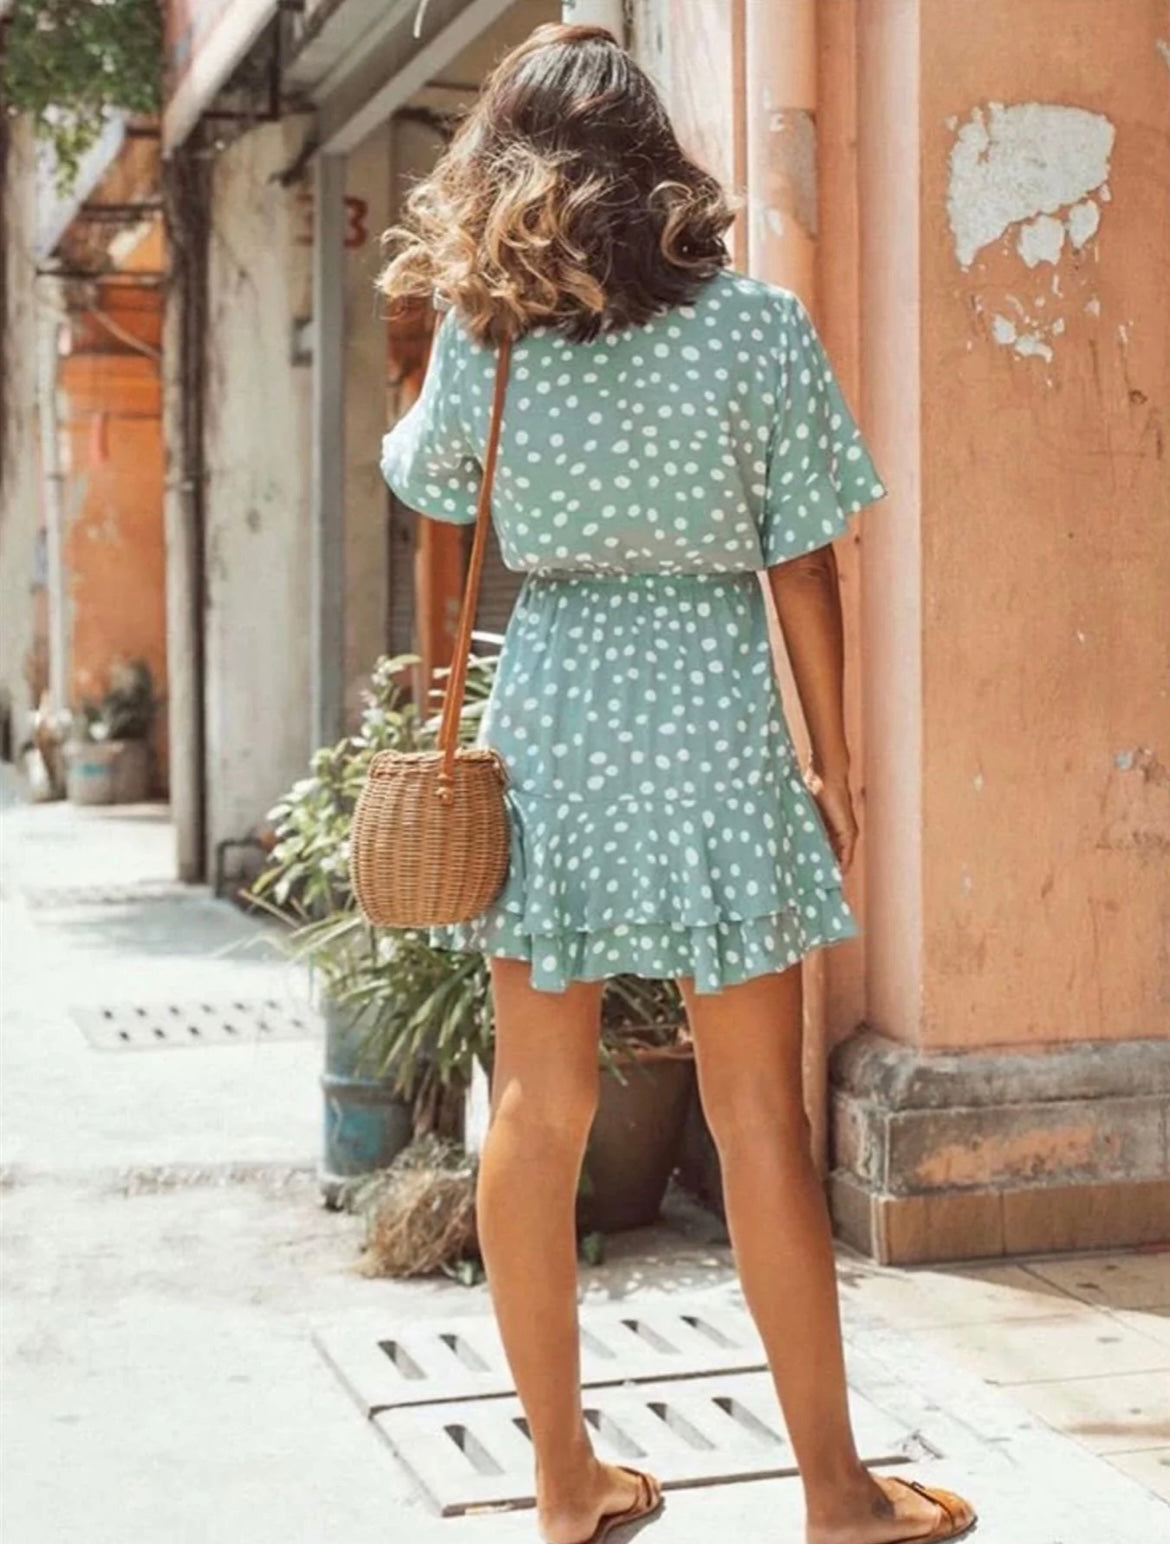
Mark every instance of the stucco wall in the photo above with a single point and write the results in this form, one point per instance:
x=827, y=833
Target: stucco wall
x=368, y=175
x=1045, y=346
x=1006, y=339
x=19, y=475
x=257, y=447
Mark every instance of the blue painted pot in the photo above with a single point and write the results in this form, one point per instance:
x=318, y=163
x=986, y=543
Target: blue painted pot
x=366, y=1124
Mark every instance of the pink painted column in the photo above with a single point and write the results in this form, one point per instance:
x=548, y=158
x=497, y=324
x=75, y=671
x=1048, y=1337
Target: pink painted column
x=780, y=82
x=838, y=315
x=1010, y=1092
x=699, y=70
x=891, y=591
x=781, y=85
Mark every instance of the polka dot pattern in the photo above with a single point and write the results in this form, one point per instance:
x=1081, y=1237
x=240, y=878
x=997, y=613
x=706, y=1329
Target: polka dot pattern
x=712, y=439
x=659, y=822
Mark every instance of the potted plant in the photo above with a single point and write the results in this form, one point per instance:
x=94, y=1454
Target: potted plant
x=440, y=1013
x=109, y=757
x=435, y=1010
x=384, y=1078
x=407, y=1025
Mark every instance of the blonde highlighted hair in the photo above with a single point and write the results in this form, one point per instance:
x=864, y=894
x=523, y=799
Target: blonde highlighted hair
x=564, y=200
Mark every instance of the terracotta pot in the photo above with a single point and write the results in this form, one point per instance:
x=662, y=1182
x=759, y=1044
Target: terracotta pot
x=699, y=1170
x=634, y=1144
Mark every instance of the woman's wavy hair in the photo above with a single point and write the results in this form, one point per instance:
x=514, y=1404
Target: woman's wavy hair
x=563, y=200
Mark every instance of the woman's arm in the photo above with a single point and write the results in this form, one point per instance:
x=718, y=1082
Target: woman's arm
x=808, y=603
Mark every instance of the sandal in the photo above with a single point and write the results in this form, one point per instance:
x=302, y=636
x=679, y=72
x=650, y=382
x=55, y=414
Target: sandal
x=649, y=1499
x=958, y=1517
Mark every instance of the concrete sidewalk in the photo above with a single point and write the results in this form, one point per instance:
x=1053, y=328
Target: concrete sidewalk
x=166, y=1261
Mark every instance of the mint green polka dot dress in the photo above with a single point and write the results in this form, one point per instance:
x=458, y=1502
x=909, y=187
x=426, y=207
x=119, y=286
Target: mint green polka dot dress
x=660, y=824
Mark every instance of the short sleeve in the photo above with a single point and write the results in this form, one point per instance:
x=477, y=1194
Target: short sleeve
x=426, y=458
x=819, y=469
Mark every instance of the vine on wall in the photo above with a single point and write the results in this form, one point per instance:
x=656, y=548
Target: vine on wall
x=70, y=65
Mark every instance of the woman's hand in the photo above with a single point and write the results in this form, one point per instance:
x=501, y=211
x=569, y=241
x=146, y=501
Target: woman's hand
x=808, y=606
x=835, y=803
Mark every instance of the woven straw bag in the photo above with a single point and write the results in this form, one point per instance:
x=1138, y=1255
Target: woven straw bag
x=429, y=841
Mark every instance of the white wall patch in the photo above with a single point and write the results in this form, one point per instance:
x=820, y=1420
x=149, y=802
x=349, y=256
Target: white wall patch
x=1011, y=164
x=1025, y=344
x=1041, y=240
x=1083, y=220
x=1031, y=343
x=1003, y=330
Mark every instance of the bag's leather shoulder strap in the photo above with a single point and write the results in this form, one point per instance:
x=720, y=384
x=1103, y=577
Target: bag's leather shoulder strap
x=461, y=649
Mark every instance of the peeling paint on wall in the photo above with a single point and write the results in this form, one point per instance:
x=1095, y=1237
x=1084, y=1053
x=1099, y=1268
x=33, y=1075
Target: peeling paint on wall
x=791, y=190
x=1144, y=760
x=1032, y=344
x=1041, y=240
x=1003, y=329
x=1012, y=164
x=1026, y=335
x=1006, y=333
x=1083, y=220
x=1029, y=180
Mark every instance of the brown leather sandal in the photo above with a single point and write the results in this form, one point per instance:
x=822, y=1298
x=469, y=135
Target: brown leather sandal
x=649, y=1499
x=958, y=1517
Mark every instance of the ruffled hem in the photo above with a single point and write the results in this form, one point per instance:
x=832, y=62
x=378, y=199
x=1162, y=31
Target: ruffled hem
x=715, y=955
x=586, y=866
x=818, y=512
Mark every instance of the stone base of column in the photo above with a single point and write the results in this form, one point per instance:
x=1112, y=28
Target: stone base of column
x=982, y=1153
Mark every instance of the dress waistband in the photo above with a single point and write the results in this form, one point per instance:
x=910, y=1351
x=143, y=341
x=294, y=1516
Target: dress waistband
x=649, y=577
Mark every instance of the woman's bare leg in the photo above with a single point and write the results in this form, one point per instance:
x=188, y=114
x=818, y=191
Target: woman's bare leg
x=544, y=1094
x=748, y=1055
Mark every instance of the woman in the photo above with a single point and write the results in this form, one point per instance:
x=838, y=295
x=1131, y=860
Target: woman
x=670, y=429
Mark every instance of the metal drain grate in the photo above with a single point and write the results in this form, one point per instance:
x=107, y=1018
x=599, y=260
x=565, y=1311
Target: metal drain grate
x=692, y=1431
x=463, y=1358
x=167, y=1026
x=73, y=897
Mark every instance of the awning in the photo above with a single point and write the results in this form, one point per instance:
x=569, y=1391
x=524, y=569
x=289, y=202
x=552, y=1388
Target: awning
x=56, y=210
x=206, y=39
x=358, y=60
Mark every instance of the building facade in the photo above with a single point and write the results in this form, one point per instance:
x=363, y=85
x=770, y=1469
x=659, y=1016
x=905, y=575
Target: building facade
x=975, y=203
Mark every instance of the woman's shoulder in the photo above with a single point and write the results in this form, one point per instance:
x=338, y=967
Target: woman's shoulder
x=727, y=301
x=778, y=321
x=750, y=294
x=452, y=334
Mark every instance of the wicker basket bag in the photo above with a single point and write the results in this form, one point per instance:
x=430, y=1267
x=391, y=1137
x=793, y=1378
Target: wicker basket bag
x=429, y=841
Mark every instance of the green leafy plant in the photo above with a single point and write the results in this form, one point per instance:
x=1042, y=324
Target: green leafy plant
x=307, y=878
x=128, y=709
x=70, y=65
x=424, y=1015
x=306, y=882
